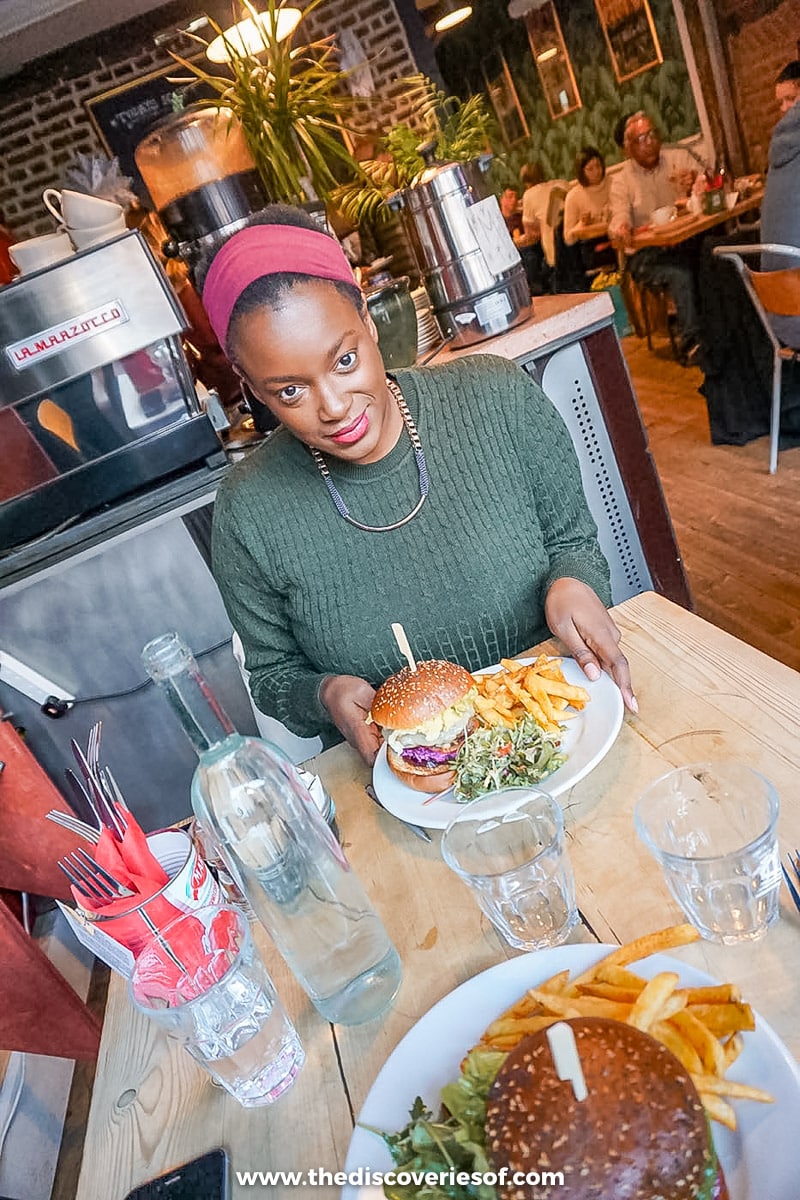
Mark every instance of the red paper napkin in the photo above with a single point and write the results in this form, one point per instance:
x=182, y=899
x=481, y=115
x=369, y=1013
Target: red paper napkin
x=203, y=952
x=133, y=864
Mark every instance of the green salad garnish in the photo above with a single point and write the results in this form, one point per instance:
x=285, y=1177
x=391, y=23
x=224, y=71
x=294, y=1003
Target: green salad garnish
x=498, y=757
x=453, y=1142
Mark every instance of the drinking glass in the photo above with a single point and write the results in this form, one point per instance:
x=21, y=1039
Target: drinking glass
x=220, y=1003
x=509, y=848
x=712, y=827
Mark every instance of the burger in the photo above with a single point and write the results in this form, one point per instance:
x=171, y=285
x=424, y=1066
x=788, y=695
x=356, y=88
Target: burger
x=641, y=1133
x=424, y=716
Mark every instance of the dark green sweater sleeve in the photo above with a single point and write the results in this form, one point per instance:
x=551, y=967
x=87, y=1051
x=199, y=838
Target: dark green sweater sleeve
x=283, y=683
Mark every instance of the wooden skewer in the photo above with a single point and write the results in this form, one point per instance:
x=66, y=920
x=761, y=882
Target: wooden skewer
x=403, y=645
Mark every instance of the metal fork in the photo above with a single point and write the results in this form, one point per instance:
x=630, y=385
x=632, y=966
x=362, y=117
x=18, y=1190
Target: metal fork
x=101, y=884
x=794, y=863
x=95, y=883
x=74, y=825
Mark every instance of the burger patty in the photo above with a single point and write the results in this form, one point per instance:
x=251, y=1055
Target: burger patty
x=640, y=1133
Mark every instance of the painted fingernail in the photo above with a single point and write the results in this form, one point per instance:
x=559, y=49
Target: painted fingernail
x=592, y=671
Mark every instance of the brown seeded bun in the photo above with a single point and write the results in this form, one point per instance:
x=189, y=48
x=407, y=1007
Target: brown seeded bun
x=408, y=698
x=640, y=1133
x=421, y=779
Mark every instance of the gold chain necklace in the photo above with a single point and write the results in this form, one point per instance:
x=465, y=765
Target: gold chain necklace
x=422, y=469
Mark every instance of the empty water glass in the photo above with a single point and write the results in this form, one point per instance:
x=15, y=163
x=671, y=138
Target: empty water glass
x=713, y=828
x=201, y=979
x=509, y=848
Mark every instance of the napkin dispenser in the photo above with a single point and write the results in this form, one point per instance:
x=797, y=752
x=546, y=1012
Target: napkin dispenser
x=96, y=397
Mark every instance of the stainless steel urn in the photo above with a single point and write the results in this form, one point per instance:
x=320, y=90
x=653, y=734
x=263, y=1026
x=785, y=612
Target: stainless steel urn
x=471, y=268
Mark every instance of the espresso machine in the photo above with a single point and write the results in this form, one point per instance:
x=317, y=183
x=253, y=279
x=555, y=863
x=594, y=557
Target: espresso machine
x=96, y=397
x=201, y=177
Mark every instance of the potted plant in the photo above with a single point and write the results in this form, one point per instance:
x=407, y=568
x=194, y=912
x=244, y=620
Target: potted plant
x=291, y=103
x=460, y=128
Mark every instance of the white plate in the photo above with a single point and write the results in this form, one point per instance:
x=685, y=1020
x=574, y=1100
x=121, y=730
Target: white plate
x=589, y=736
x=761, y=1159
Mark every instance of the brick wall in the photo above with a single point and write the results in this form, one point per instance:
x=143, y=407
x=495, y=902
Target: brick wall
x=760, y=38
x=43, y=124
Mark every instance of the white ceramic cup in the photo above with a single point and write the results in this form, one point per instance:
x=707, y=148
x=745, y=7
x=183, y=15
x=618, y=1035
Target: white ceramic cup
x=82, y=239
x=662, y=215
x=78, y=210
x=38, y=252
x=731, y=198
x=695, y=205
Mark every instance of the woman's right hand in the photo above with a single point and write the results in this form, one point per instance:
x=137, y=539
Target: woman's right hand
x=348, y=699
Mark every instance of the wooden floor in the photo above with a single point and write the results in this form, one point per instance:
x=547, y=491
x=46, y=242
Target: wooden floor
x=738, y=527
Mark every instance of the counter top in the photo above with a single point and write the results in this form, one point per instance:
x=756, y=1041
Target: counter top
x=556, y=320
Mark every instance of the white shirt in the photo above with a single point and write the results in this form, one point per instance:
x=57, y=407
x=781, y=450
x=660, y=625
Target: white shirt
x=585, y=205
x=636, y=192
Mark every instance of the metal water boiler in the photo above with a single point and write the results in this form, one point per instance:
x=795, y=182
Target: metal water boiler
x=471, y=268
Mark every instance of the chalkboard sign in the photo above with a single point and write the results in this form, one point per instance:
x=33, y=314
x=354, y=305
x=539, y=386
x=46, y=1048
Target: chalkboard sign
x=630, y=36
x=124, y=115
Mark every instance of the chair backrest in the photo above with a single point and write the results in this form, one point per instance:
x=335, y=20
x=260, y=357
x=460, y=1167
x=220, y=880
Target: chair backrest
x=778, y=291
x=555, y=212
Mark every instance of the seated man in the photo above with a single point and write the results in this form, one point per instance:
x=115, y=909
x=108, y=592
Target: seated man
x=653, y=178
x=780, y=212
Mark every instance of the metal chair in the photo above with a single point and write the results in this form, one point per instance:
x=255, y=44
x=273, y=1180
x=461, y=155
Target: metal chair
x=774, y=294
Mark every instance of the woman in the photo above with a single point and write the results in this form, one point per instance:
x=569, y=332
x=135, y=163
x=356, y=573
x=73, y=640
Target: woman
x=447, y=498
x=588, y=202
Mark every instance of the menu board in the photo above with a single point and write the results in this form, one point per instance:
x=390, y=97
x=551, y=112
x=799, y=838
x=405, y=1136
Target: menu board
x=630, y=36
x=124, y=115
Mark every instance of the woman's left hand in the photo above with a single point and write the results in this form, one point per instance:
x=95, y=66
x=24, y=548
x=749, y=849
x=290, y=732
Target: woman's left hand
x=579, y=619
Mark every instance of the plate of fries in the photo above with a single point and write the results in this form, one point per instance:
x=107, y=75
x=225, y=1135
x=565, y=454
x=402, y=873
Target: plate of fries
x=557, y=694
x=747, y=1078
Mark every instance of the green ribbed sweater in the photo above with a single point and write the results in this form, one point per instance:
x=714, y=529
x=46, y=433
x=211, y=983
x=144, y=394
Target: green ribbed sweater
x=311, y=596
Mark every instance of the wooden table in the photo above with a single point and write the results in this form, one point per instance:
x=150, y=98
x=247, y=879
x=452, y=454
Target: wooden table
x=687, y=225
x=701, y=694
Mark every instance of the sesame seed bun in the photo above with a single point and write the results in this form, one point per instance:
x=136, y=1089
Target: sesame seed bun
x=408, y=698
x=640, y=1133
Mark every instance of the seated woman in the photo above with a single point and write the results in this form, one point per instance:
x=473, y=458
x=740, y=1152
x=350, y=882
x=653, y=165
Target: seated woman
x=537, y=234
x=447, y=498
x=587, y=207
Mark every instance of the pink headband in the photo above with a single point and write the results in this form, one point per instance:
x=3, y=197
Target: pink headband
x=260, y=250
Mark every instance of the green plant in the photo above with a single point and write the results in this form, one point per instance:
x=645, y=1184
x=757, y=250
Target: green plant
x=461, y=130
x=291, y=104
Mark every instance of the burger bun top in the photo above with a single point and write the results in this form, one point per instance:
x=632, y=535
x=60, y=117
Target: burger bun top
x=409, y=698
x=641, y=1131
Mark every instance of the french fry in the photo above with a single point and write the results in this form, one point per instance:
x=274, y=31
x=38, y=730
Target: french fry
x=732, y=1048
x=619, y=977
x=651, y=1000
x=711, y=1053
x=608, y=991
x=680, y=1046
x=730, y=1087
x=720, y=1019
x=718, y=1109
x=720, y=993
x=652, y=943
x=537, y=689
x=555, y=983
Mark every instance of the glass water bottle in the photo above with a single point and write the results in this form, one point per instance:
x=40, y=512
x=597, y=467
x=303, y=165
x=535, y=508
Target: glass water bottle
x=279, y=848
